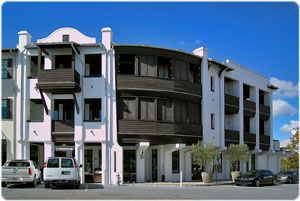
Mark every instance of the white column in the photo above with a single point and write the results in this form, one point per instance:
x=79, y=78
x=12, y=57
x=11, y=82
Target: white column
x=48, y=149
x=257, y=118
x=140, y=161
x=160, y=162
x=241, y=111
x=79, y=156
x=222, y=114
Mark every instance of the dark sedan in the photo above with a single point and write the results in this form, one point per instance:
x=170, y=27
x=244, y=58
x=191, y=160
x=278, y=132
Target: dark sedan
x=257, y=178
x=289, y=176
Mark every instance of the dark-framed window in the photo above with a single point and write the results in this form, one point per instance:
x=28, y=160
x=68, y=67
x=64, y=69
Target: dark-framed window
x=7, y=108
x=63, y=61
x=165, y=67
x=212, y=83
x=165, y=110
x=93, y=65
x=180, y=69
x=7, y=68
x=126, y=64
x=147, y=108
x=66, y=38
x=36, y=110
x=92, y=109
x=127, y=108
x=175, y=162
x=194, y=113
x=212, y=121
x=217, y=163
x=194, y=73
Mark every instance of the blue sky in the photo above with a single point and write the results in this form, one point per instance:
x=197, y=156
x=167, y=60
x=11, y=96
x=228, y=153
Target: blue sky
x=260, y=36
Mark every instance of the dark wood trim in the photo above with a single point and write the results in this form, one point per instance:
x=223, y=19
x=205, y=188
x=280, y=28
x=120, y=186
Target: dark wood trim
x=232, y=136
x=44, y=102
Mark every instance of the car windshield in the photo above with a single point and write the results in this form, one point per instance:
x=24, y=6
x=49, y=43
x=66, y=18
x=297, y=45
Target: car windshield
x=18, y=164
x=250, y=173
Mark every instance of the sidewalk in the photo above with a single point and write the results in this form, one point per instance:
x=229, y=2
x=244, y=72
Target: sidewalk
x=214, y=183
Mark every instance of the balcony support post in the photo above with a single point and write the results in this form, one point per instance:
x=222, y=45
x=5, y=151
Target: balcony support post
x=44, y=102
x=76, y=103
x=39, y=60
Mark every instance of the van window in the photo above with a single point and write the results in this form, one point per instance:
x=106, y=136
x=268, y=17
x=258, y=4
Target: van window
x=53, y=163
x=66, y=163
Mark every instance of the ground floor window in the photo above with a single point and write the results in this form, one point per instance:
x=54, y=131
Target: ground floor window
x=217, y=163
x=129, y=166
x=175, y=161
x=4, y=151
x=252, y=161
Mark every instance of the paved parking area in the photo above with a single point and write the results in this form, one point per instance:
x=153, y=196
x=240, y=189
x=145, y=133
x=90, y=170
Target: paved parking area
x=97, y=191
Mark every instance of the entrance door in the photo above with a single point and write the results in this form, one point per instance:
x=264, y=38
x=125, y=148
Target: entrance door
x=154, y=164
x=129, y=166
x=88, y=165
x=196, y=172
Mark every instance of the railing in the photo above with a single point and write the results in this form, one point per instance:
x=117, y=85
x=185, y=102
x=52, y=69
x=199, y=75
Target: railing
x=231, y=104
x=249, y=137
x=231, y=135
x=249, y=108
x=59, y=75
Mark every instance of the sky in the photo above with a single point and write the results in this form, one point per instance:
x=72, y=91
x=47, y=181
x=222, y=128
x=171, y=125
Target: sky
x=260, y=36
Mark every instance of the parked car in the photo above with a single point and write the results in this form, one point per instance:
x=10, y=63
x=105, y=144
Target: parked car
x=289, y=176
x=61, y=171
x=257, y=178
x=20, y=172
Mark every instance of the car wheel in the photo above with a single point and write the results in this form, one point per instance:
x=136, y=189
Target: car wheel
x=77, y=185
x=257, y=183
x=3, y=184
x=47, y=185
x=33, y=184
x=290, y=181
x=274, y=182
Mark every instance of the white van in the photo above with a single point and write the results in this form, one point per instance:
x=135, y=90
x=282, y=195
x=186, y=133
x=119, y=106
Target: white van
x=61, y=171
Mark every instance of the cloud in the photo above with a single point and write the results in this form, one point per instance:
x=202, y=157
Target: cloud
x=287, y=89
x=287, y=128
x=282, y=108
x=283, y=143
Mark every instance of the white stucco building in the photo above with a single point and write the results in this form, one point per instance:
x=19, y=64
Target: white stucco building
x=130, y=110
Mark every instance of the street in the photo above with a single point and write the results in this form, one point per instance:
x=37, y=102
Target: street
x=97, y=191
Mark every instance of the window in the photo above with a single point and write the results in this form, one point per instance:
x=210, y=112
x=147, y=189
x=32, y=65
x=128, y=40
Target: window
x=127, y=108
x=194, y=113
x=181, y=112
x=53, y=163
x=92, y=109
x=93, y=63
x=7, y=68
x=165, y=110
x=66, y=163
x=175, y=161
x=194, y=73
x=147, y=108
x=65, y=38
x=217, y=163
x=7, y=109
x=212, y=83
x=126, y=64
x=63, y=61
x=261, y=97
x=115, y=161
x=246, y=91
x=4, y=150
x=261, y=127
x=147, y=66
x=212, y=121
x=63, y=109
x=34, y=66
x=165, y=69
x=180, y=70
x=36, y=110
x=246, y=124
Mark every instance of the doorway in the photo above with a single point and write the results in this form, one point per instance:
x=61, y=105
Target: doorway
x=129, y=166
x=154, y=164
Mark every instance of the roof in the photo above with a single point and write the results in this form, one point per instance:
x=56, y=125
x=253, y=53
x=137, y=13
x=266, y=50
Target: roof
x=61, y=45
x=221, y=64
x=156, y=47
x=272, y=87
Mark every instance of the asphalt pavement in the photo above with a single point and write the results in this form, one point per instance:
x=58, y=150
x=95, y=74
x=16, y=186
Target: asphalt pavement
x=139, y=192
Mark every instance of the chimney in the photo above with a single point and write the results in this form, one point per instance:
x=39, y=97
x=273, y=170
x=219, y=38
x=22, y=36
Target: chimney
x=106, y=37
x=24, y=39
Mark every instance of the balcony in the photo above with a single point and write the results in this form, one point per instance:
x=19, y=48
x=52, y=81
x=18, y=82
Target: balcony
x=63, y=130
x=250, y=140
x=249, y=108
x=231, y=136
x=65, y=80
x=231, y=104
x=264, y=112
x=264, y=142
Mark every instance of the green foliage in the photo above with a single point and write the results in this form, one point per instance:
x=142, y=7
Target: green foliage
x=292, y=162
x=236, y=153
x=203, y=154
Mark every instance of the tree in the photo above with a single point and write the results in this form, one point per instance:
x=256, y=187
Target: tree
x=236, y=153
x=203, y=154
x=292, y=161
